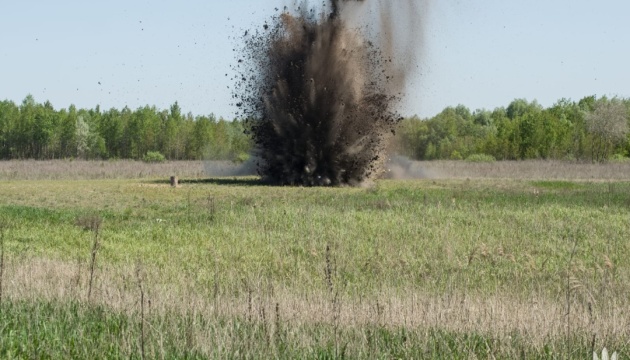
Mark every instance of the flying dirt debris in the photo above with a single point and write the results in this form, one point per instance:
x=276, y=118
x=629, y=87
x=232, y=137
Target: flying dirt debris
x=321, y=95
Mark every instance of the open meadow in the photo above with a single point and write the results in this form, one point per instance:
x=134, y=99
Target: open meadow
x=473, y=261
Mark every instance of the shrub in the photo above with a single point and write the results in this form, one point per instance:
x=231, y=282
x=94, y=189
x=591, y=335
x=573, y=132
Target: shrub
x=153, y=157
x=619, y=158
x=240, y=158
x=480, y=158
x=455, y=155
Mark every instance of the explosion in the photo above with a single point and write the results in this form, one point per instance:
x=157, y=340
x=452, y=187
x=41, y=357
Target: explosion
x=319, y=96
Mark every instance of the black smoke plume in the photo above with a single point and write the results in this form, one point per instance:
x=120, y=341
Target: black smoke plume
x=320, y=97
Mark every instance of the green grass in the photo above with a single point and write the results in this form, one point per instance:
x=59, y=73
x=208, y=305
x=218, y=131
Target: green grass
x=400, y=234
x=227, y=249
x=71, y=330
x=74, y=331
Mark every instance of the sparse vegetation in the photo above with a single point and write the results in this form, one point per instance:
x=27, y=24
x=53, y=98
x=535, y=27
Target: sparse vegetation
x=407, y=269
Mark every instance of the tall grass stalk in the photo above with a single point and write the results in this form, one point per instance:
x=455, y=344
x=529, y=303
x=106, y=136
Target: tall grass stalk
x=140, y=281
x=2, y=231
x=329, y=269
x=94, y=226
x=569, y=289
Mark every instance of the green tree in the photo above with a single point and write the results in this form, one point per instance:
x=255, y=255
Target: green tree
x=68, y=130
x=202, y=137
x=9, y=117
x=608, y=123
x=43, y=129
x=520, y=107
x=111, y=131
x=173, y=139
x=241, y=143
x=219, y=147
x=81, y=135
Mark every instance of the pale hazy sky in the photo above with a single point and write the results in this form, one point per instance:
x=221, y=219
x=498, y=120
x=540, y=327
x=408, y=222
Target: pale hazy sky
x=481, y=54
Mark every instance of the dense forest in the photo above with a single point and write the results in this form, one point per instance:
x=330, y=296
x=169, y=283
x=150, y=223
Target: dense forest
x=591, y=129
x=38, y=131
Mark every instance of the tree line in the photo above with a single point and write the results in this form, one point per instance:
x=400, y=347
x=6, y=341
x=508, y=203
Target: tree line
x=591, y=129
x=37, y=131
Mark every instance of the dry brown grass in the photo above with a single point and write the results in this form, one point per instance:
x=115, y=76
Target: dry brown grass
x=537, y=317
x=518, y=170
x=129, y=169
x=85, y=170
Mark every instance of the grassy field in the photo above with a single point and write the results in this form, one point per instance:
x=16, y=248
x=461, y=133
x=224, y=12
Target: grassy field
x=227, y=268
